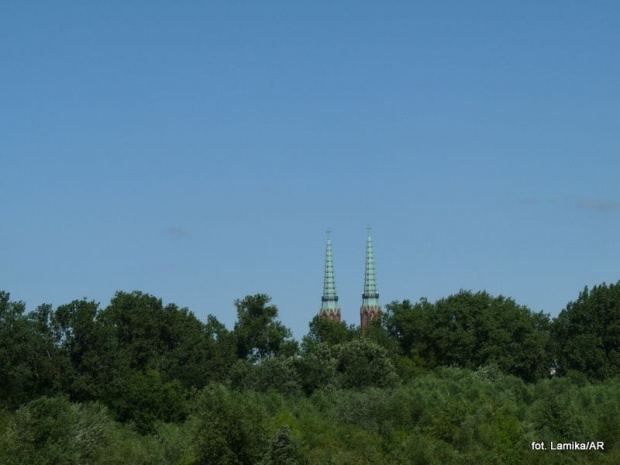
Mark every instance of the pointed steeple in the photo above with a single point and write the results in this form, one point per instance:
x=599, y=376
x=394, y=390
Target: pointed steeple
x=329, y=301
x=370, y=298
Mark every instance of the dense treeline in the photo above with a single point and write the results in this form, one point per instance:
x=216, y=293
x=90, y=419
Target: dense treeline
x=463, y=380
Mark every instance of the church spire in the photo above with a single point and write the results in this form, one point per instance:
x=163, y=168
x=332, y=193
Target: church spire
x=370, y=298
x=329, y=301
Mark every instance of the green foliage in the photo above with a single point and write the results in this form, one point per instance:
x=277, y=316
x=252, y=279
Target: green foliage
x=96, y=361
x=169, y=444
x=147, y=399
x=257, y=331
x=471, y=330
x=378, y=333
x=167, y=339
x=587, y=333
x=317, y=369
x=324, y=331
x=30, y=365
x=362, y=363
x=355, y=407
x=328, y=441
x=276, y=374
x=141, y=324
x=558, y=417
x=176, y=443
x=230, y=427
x=450, y=416
x=55, y=432
x=419, y=449
x=356, y=364
x=284, y=450
x=460, y=381
x=123, y=354
x=222, y=349
x=564, y=410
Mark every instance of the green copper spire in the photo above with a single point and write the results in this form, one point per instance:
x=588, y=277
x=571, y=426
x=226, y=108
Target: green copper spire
x=329, y=301
x=370, y=298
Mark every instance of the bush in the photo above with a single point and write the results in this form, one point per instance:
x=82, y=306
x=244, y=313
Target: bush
x=54, y=431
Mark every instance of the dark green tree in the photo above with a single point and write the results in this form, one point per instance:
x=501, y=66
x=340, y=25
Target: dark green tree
x=230, y=427
x=317, y=369
x=195, y=353
x=51, y=431
x=363, y=363
x=30, y=364
x=587, y=333
x=276, y=374
x=167, y=339
x=284, y=450
x=147, y=399
x=222, y=352
x=471, y=330
x=142, y=325
x=377, y=332
x=324, y=331
x=91, y=347
x=258, y=333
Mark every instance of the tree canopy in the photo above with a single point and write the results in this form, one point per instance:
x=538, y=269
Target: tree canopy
x=470, y=330
x=587, y=333
x=462, y=380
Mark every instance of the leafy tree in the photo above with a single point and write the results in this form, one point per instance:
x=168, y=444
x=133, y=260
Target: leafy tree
x=147, y=399
x=142, y=325
x=222, y=349
x=471, y=330
x=284, y=450
x=355, y=364
x=406, y=321
x=30, y=365
x=230, y=427
x=556, y=412
x=149, y=363
x=257, y=331
x=317, y=369
x=378, y=333
x=587, y=333
x=324, y=331
x=195, y=354
x=167, y=339
x=92, y=349
x=362, y=363
x=277, y=374
x=53, y=431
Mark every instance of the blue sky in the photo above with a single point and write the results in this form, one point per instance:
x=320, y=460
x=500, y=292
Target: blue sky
x=198, y=151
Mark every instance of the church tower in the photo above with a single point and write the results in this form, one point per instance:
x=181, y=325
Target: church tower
x=370, y=298
x=329, y=301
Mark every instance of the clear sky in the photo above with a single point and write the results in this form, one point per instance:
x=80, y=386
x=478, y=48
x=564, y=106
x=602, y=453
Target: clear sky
x=198, y=151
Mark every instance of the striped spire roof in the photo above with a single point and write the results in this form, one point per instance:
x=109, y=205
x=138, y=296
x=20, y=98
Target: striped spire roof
x=330, y=298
